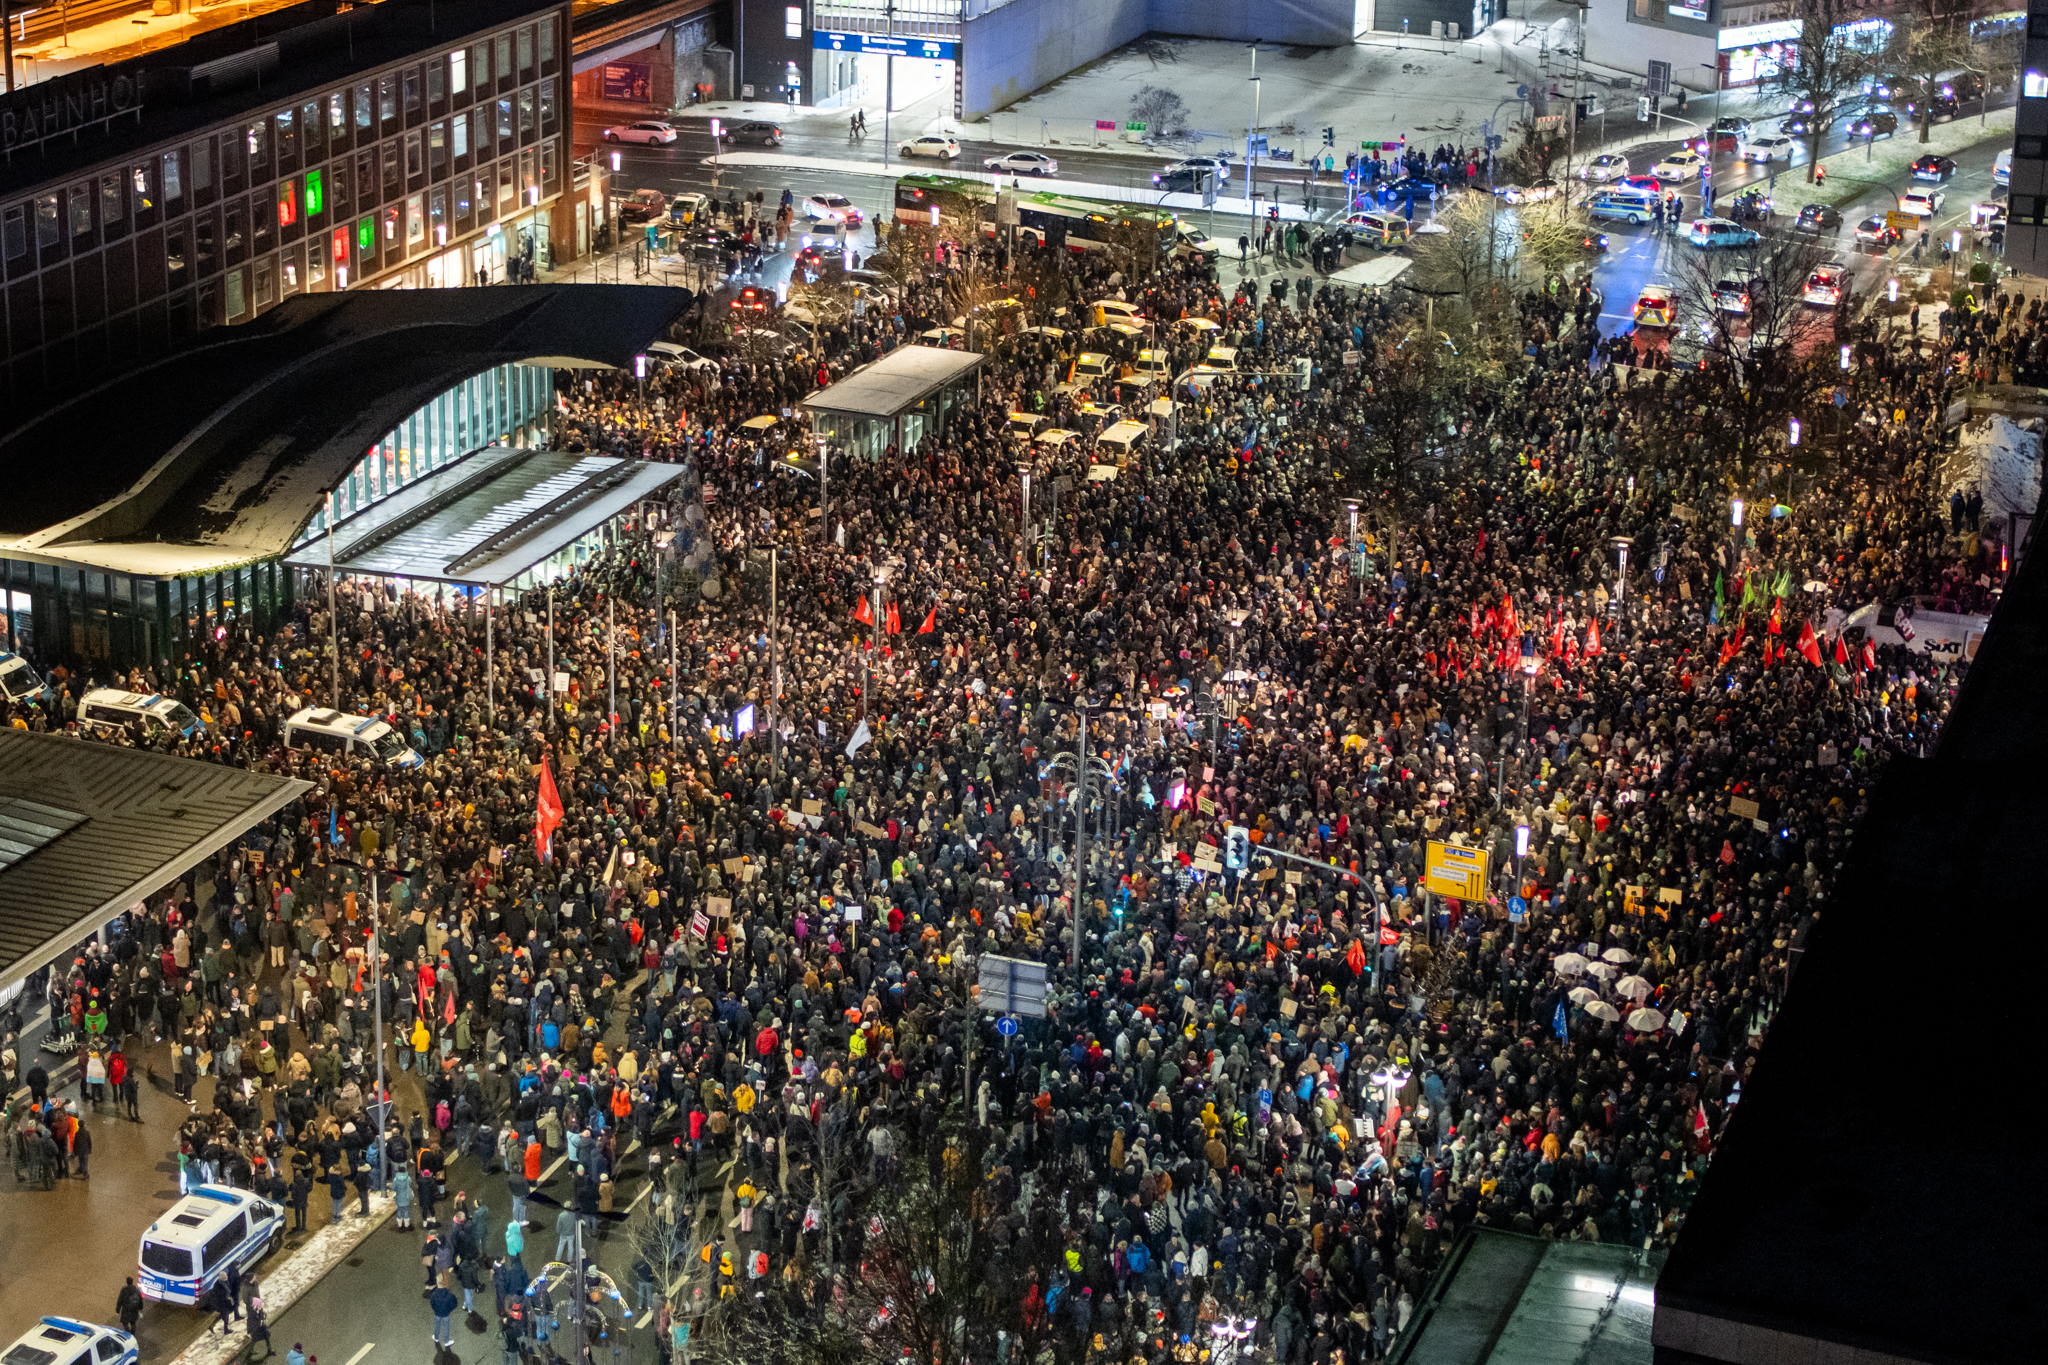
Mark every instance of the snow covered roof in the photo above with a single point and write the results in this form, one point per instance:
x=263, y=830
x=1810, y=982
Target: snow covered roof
x=487, y=517
x=896, y=383
x=220, y=454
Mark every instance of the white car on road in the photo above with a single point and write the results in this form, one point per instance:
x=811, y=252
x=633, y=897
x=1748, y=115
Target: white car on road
x=831, y=208
x=1604, y=167
x=1022, y=163
x=682, y=357
x=649, y=131
x=1680, y=165
x=944, y=148
x=1769, y=147
x=1218, y=164
x=1925, y=202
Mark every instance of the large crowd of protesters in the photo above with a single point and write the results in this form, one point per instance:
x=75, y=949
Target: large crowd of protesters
x=1273, y=1096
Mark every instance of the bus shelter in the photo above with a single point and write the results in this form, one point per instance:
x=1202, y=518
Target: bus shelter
x=909, y=394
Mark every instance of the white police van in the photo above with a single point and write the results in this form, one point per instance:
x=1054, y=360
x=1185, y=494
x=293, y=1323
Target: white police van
x=108, y=709
x=187, y=1250
x=336, y=732
x=67, y=1341
x=18, y=682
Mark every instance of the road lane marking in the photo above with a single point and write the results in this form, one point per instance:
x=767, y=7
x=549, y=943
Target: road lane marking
x=368, y=1347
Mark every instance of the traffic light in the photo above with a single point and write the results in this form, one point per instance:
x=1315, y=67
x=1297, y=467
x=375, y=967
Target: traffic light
x=1273, y=211
x=1237, y=848
x=1330, y=137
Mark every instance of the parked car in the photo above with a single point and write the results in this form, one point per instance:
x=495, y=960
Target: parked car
x=1818, y=218
x=1654, y=307
x=687, y=208
x=1987, y=215
x=1936, y=169
x=1826, y=285
x=1926, y=203
x=1532, y=194
x=753, y=133
x=1680, y=165
x=1964, y=85
x=1876, y=232
x=652, y=132
x=1875, y=124
x=682, y=357
x=1022, y=163
x=1738, y=127
x=831, y=208
x=944, y=148
x=1648, y=184
x=643, y=206
x=1769, y=147
x=754, y=299
x=1604, y=167
x=1731, y=296
x=1720, y=232
x=1219, y=163
x=1802, y=125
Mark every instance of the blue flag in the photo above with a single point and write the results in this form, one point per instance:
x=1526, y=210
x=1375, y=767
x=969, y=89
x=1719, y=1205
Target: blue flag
x=1557, y=1021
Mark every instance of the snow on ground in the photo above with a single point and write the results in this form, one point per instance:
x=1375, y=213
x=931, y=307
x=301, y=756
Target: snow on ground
x=1433, y=92
x=2002, y=459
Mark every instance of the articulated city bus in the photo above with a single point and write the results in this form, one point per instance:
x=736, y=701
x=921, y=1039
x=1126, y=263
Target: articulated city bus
x=1058, y=219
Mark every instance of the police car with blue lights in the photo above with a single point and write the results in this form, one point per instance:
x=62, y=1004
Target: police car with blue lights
x=189, y=1248
x=67, y=1341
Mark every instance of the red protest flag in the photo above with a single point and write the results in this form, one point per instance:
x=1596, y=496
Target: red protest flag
x=864, y=613
x=1777, y=616
x=1808, y=644
x=1592, y=638
x=1869, y=655
x=895, y=626
x=1354, y=958
x=548, y=813
x=931, y=622
x=1841, y=651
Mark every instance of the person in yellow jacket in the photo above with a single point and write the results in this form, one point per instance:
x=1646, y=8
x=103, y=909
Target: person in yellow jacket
x=420, y=1041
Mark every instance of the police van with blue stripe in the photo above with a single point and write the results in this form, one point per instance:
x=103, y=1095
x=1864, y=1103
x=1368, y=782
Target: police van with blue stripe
x=189, y=1249
x=67, y=1341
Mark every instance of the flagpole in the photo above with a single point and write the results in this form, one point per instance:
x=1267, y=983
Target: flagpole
x=611, y=669
x=548, y=690
x=774, y=673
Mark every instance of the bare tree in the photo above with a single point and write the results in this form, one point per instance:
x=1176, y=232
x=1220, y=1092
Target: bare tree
x=1930, y=40
x=1164, y=113
x=1825, y=69
x=1760, y=343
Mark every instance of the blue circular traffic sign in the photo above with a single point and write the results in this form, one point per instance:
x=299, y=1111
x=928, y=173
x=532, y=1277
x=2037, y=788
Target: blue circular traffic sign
x=1518, y=908
x=1007, y=1025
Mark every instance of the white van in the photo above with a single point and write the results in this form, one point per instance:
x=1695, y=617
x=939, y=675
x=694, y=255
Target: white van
x=68, y=1341
x=1220, y=360
x=1630, y=206
x=18, y=682
x=191, y=1246
x=336, y=732
x=108, y=709
x=2001, y=169
x=1152, y=364
x=1937, y=634
x=1120, y=440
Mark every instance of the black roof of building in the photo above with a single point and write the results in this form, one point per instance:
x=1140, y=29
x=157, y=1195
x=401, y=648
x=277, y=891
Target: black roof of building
x=212, y=78
x=227, y=448
x=87, y=830
x=1875, y=1194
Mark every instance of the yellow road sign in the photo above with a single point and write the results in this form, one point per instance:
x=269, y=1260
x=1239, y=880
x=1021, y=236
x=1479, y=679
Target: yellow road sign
x=1454, y=870
x=1902, y=222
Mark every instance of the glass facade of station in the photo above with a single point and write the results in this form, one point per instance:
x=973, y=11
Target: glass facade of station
x=97, y=622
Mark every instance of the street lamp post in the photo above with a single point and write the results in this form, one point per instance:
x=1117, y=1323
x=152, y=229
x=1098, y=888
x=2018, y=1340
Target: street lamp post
x=1521, y=852
x=1735, y=523
x=1621, y=544
x=1530, y=665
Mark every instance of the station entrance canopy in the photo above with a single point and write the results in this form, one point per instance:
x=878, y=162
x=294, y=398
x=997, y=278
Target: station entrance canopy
x=88, y=830
x=489, y=519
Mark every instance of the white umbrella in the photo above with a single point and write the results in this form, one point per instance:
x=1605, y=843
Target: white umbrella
x=1600, y=1009
x=1581, y=994
x=1646, y=1020
x=1634, y=987
x=1604, y=970
x=1617, y=956
x=1568, y=964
